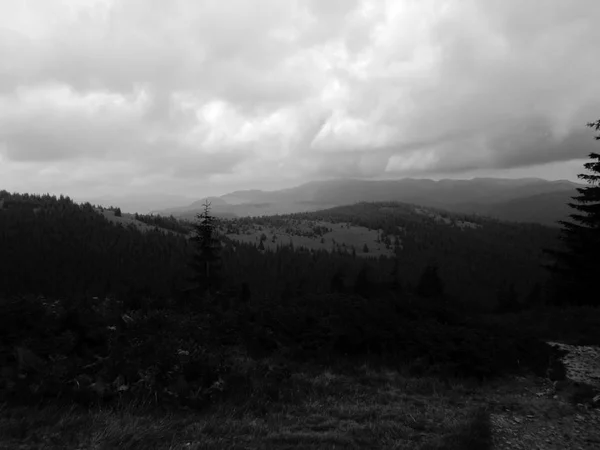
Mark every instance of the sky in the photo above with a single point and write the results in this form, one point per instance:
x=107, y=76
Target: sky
x=204, y=97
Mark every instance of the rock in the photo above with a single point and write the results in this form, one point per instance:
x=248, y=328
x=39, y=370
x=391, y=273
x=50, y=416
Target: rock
x=574, y=392
x=582, y=363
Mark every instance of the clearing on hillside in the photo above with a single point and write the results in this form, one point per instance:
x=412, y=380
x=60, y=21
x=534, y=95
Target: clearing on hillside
x=313, y=235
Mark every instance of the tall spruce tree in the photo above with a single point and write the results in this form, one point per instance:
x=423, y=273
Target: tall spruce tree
x=508, y=299
x=577, y=265
x=207, y=258
x=430, y=284
x=363, y=285
x=396, y=285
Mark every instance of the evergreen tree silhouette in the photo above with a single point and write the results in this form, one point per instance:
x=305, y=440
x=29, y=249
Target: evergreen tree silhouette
x=245, y=294
x=337, y=282
x=535, y=298
x=430, y=284
x=362, y=284
x=508, y=300
x=206, y=261
x=576, y=266
x=396, y=285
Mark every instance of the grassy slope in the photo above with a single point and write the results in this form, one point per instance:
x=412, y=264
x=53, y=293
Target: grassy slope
x=353, y=236
x=128, y=219
x=344, y=235
x=316, y=409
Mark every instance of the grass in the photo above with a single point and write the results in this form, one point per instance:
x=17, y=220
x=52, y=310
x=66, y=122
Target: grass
x=314, y=409
x=354, y=235
x=129, y=219
x=349, y=405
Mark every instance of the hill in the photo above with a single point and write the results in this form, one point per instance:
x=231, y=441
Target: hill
x=505, y=199
x=476, y=256
x=144, y=222
x=545, y=208
x=138, y=203
x=54, y=246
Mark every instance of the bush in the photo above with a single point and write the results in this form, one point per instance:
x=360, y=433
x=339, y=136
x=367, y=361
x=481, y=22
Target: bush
x=451, y=342
x=93, y=352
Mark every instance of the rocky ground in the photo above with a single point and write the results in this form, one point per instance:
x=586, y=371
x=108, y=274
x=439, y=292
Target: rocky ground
x=545, y=415
x=582, y=363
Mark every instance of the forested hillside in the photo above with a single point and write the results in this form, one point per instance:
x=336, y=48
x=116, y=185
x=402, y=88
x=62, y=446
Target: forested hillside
x=53, y=246
x=478, y=258
x=93, y=311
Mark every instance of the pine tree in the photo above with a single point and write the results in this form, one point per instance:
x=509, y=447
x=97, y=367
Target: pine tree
x=508, y=300
x=396, y=244
x=430, y=285
x=394, y=274
x=535, y=297
x=577, y=265
x=245, y=294
x=362, y=284
x=337, y=282
x=206, y=262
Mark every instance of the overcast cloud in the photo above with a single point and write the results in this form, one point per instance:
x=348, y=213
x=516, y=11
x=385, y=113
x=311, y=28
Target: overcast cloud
x=202, y=97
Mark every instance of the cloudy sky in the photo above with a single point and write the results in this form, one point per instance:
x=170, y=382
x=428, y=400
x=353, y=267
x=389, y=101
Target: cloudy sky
x=203, y=97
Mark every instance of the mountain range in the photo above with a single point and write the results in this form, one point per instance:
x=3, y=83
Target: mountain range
x=520, y=200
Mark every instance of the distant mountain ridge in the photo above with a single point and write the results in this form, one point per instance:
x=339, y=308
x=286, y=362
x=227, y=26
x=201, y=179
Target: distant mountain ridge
x=521, y=200
x=138, y=203
x=196, y=206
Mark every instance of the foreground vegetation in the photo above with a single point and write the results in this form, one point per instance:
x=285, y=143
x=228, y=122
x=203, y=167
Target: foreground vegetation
x=316, y=410
x=243, y=396
x=98, y=353
x=349, y=404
